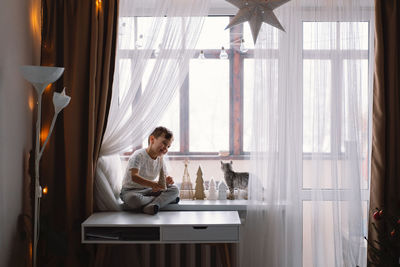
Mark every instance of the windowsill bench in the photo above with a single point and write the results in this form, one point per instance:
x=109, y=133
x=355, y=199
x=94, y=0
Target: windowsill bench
x=165, y=227
x=189, y=221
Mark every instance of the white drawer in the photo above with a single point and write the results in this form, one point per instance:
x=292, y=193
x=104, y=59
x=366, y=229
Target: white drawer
x=200, y=233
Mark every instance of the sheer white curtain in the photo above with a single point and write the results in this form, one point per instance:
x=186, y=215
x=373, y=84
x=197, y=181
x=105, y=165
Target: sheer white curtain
x=311, y=137
x=158, y=37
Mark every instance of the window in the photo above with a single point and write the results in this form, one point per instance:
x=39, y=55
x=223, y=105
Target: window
x=207, y=114
x=211, y=115
x=327, y=59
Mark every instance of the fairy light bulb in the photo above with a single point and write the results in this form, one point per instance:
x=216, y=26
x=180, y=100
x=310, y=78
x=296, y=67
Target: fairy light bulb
x=243, y=49
x=223, y=54
x=157, y=50
x=201, y=55
x=123, y=29
x=139, y=42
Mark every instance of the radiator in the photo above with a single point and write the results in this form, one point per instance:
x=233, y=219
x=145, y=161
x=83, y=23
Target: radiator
x=168, y=255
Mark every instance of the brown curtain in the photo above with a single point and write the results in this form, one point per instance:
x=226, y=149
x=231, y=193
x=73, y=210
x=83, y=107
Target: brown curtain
x=385, y=162
x=168, y=255
x=81, y=37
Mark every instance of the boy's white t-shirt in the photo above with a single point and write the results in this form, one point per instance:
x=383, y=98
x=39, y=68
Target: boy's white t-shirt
x=148, y=168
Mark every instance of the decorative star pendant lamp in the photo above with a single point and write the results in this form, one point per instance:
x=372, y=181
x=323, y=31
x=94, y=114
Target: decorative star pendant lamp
x=256, y=12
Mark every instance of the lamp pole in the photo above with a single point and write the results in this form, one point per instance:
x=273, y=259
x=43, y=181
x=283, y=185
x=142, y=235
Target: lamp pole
x=40, y=77
x=38, y=192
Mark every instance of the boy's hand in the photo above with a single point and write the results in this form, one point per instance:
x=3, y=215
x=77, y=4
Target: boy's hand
x=156, y=187
x=169, y=180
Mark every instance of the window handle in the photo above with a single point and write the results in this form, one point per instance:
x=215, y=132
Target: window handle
x=200, y=227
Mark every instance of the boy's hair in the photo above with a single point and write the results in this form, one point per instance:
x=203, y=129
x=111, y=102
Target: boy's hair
x=160, y=131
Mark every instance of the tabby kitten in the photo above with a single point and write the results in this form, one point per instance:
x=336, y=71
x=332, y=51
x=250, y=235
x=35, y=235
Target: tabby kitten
x=239, y=180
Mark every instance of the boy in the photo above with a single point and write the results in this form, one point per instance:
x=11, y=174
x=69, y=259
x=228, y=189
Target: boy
x=139, y=188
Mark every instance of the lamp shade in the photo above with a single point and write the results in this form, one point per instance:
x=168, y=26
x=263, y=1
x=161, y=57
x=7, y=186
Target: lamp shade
x=60, y=100
x=41, y=76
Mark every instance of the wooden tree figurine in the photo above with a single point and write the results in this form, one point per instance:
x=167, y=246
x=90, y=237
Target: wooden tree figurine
x=212, y=192
x=222, y=191
x=199, y=193
x=186, y=191
x=161, y=178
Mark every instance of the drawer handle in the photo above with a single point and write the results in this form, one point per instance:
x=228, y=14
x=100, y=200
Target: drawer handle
x=200, y=227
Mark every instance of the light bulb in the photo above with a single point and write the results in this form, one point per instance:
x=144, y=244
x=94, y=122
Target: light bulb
x=243, y=49
x=223, y=54
x=157, y=50
x=201, y=55
x=139, y=42
x=123, y=29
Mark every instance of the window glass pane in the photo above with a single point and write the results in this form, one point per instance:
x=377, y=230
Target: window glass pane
x=211, y=170
x=213, y=35
x=270, y=67
x=248, y=91
x=147, y=73
x=319, y=35
x=355, y=110
x=126, y=27
x=145, y=80
x=321, y=178
x=170, y=119
x=209, y=105
x=317, y=106
x=248, y=38
x=331, y=173
x=148, y=28
x=321, y=221
x=354, y=35
x=319, y=213
x=124, y=79
x=270, y=33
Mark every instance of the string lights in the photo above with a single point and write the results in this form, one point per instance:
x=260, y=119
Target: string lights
x=223, y=54
x=238, y=44
x=201, y=55
x=139, y=42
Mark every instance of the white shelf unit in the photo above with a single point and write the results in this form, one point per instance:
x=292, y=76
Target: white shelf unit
x=162, y=228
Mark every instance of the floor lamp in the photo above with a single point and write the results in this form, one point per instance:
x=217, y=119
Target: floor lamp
x=40, y=77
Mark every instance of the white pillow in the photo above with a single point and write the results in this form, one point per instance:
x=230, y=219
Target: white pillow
x=104, y=198
x=111, y=167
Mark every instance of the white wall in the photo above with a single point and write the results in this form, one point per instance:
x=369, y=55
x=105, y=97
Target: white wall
x=19, y=41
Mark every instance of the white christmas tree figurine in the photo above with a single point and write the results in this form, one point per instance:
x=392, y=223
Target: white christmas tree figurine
x=212, y=192
x=222, y=191
x=199, y=193
x=186, y=191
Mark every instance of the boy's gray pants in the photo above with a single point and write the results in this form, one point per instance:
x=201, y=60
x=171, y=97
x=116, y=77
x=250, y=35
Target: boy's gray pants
x=138, y=198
